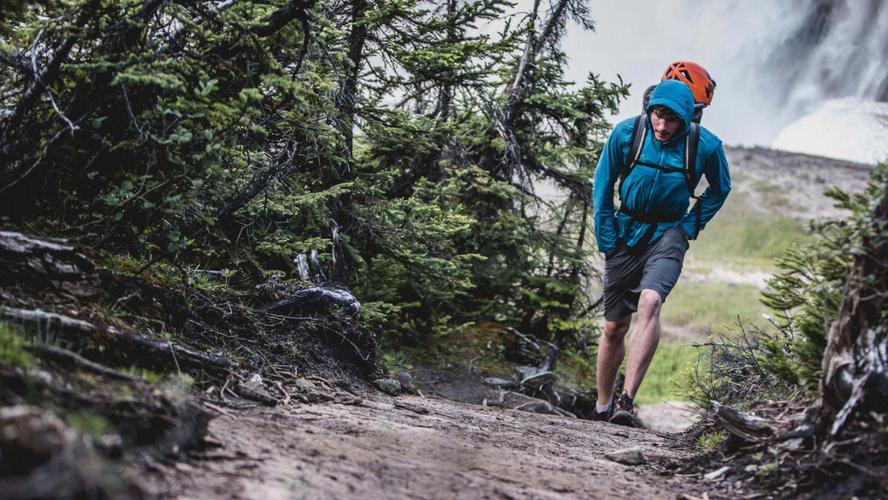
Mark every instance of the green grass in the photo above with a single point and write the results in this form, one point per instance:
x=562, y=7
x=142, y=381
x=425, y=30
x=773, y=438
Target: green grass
x=741, y=234
x=12, y=341
x=666, y=374
x=711, y=440
x=712, y=306
x=87, y=422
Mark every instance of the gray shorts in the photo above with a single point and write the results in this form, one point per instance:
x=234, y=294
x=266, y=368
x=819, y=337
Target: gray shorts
x=629, y=270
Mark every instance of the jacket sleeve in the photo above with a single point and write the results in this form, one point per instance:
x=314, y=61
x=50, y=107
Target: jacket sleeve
x=719, y=178
x=603, y=191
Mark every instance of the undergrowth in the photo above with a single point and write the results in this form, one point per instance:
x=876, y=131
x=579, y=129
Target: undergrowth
x=12, y=342
x=805, y=293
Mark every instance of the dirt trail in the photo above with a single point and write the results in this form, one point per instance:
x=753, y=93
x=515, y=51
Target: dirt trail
x=415, y=447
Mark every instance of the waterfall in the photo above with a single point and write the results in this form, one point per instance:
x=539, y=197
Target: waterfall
x=774, y=60
x=835, y=49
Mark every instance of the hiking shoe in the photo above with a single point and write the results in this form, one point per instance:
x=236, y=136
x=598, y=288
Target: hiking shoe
x=604, y=416
x=625, y=413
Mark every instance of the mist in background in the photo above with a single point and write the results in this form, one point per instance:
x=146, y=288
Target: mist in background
x=773, y=61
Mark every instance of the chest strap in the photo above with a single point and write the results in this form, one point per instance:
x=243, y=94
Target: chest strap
x=692, y=141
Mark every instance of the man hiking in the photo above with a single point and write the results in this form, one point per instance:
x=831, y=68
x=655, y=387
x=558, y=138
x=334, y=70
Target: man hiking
x=655, y=161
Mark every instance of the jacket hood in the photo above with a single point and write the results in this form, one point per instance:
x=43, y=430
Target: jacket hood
x=676, y=96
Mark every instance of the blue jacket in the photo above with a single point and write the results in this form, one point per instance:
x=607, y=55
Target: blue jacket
x=648, y=190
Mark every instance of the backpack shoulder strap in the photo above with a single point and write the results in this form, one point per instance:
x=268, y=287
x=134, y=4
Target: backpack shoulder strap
x=638, y=133
x=639, y=129
x=692, y=142
x=691, y=145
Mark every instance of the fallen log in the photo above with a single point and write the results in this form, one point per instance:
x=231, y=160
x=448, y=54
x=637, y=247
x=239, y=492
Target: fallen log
x=746, y=426
x=316, y=298
x=44, y=264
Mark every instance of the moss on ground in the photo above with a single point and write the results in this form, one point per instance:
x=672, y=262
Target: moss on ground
x=711, y=440
x=12, y=342
x=88, y=422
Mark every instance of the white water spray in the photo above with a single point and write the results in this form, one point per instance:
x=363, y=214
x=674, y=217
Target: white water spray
x=774, y=61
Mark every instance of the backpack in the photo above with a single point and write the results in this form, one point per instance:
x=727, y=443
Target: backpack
x=692, y=141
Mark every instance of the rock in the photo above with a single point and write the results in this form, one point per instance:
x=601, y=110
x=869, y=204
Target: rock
x=406, y=381
x=309, y=391
x=628, y=456
x=500, y=382
x=111, y=445
x=792, y=444
x=29, y=438
x=669, y=416
x=389, y=386
x=716, y=474
x=305, y=385
x=253, y=390
x=254, y=382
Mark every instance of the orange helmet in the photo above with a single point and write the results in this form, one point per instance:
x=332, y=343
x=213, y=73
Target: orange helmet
x=694, y=76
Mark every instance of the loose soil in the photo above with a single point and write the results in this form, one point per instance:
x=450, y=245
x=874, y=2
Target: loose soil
x=422, y=447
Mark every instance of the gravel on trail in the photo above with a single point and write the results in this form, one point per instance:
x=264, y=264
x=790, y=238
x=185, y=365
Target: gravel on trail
x=422, y=447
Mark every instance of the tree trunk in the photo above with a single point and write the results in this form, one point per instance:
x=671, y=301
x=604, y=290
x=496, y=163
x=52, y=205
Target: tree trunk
x=855, y=362
x=348, y=90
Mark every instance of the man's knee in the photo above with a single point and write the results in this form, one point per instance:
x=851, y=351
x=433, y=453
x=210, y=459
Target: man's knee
x=616, y=330
x=649, y=302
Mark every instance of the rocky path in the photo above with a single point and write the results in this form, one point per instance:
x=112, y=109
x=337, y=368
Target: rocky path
x=415, y=447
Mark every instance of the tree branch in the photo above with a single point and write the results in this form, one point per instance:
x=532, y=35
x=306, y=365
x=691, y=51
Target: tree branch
x=281, y=17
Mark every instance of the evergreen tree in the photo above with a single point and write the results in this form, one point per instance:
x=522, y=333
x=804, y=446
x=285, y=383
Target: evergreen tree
x=394, y=138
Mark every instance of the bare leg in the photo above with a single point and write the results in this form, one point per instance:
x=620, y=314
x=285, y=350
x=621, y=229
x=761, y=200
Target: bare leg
x=644, y=341
x=610, y=355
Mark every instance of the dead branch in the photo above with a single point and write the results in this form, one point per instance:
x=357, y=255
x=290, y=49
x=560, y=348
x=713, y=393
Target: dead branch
x=746, y=426
x=121, y=346
x=259, y=396
x=67, y=358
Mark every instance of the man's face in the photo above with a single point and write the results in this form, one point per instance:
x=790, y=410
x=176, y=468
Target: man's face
x=665, y=123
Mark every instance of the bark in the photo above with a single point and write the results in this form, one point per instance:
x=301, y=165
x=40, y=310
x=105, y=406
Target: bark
x=855, y=361
x=504, y=118
x=348, y=90
x=746, y=426
x=532, y=50
x=445, y=98
x=42, y=264
x=317, y=299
